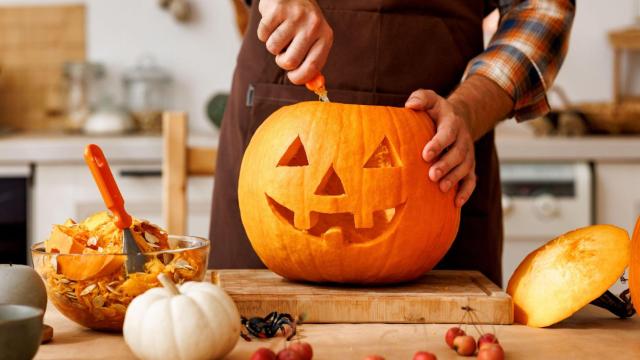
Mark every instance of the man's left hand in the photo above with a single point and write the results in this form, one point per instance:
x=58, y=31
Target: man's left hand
x=452, y=146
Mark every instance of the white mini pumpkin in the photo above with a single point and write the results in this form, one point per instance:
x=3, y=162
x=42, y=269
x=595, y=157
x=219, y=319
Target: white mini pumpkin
x=196, y=320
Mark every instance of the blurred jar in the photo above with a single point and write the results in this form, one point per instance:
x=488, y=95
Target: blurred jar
x=147, y=89
x=83, y=84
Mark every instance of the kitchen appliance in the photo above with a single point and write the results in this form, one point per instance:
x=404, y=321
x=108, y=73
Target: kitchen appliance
x=14, y=183
x=541, y=201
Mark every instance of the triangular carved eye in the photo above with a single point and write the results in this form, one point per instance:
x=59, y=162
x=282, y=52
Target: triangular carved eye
x=330, y=184
x=295, y=155
x=384, y=156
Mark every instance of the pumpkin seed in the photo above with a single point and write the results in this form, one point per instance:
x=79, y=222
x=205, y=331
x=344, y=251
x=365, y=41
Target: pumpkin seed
x=183, y=264
x=92, y=241
x=64, y=281
x=153, y=245
x=97, y=301
x=112, y=290
x=151, y=239
x=88, y=290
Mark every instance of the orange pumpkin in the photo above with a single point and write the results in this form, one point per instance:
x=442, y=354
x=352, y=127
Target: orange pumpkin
x=567, y=273
x=333, y=192
x=634, y=267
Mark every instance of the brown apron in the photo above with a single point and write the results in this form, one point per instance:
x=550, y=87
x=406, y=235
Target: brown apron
x=383, y=50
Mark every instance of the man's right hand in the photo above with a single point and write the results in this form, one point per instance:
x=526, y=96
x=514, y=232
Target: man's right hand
x=296, y=32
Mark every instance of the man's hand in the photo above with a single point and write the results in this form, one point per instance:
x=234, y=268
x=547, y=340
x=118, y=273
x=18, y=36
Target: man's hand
x=452, y=146
x=296, y=32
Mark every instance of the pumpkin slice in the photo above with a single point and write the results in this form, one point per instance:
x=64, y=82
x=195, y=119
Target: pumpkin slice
x=634, y=267
x=567, y=273
x=87, y=267
x=61, y=242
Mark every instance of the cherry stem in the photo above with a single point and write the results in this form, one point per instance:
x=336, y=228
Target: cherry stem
x=168, y=284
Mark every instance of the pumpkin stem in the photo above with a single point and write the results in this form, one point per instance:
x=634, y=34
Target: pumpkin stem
x=619, y=306
x=168, y=284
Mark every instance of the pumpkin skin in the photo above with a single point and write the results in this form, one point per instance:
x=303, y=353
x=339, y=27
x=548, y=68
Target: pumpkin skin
x=333, y=192
x=200, y=323
x=634, y=267
x=567, y=273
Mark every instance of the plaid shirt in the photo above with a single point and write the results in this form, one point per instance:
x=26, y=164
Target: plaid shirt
x=525, y=54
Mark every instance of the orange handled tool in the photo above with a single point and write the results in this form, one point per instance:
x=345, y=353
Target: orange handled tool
x=111, y=195
x=317, y=85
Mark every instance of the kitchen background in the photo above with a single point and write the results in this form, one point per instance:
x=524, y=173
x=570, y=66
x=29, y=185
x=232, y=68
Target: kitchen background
x=552, y=183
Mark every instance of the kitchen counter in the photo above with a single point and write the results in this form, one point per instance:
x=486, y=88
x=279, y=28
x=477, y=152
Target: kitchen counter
x=590, y=334
x=24, y=148
x=63, y=148
x=588, y=148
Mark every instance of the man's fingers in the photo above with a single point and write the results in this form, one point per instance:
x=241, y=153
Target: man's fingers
x=280, y=38
x=467, y=185
x=447, y=162
x=268, y=24
x=294, y=55
x=422, y=100
x=445, y=136
x=313, y=63
x=457, y=173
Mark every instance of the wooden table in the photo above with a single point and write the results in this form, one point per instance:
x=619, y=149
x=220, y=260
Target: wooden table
x=590, y=334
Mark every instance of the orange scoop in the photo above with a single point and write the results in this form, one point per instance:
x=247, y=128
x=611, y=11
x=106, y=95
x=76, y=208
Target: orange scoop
x=317, y=85
x=112, y=197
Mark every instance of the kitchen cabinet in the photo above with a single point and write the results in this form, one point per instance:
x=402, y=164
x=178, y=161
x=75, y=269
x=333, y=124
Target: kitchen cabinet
x=62, y=191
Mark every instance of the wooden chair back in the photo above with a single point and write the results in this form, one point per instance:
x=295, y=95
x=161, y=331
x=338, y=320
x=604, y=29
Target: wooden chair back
x=179, y=161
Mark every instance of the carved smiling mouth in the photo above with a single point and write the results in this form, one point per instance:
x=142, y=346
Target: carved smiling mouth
x=340, y=227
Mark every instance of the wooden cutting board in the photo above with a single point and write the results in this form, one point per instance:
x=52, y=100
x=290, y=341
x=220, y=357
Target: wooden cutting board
x=35, y=42
x=437, y=297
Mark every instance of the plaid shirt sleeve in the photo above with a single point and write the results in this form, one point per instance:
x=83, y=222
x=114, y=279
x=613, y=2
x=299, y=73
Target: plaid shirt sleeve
x=525, y=54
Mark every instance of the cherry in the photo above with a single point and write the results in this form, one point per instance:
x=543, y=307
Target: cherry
x=453, y=333
x=304, y=349
x=263, y=354
x=487, y=338
x=464, y=345
x=424, y=355
x=491, y=351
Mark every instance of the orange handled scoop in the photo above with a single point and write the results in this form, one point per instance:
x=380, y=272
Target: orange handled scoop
x=317, y=85
x=94, y=157
x=111, y=195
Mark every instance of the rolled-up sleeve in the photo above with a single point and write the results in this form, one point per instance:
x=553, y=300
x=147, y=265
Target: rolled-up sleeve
x=526, y=52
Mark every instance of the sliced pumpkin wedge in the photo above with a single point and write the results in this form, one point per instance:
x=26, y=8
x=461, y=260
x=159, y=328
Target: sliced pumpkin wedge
x=567, y=273
x=634, y=267
x=88, y=266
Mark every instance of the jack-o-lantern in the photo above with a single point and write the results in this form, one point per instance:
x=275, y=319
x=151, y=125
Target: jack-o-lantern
x=333, y=192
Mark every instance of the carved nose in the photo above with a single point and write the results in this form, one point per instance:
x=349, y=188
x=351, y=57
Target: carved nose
x=331, y=184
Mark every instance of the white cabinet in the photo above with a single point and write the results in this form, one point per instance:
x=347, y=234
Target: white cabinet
x=63, y=191
x=618, y=194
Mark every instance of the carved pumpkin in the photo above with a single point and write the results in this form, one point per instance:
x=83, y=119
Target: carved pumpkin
x=567, y=273
x=333, y=192
x=634, y=267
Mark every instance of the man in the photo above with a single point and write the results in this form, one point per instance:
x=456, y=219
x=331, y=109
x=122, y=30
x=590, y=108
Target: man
x=400, y=53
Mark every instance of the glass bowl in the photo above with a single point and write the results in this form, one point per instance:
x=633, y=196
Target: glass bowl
x=94, y=290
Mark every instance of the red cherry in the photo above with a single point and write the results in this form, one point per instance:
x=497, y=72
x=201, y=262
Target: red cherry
x=304, y=349
x=453, y=333
x=288, y=354
x=464, y=345
x=487, y=338
x=263, y=354
x=424, y=355
x=491, y=351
